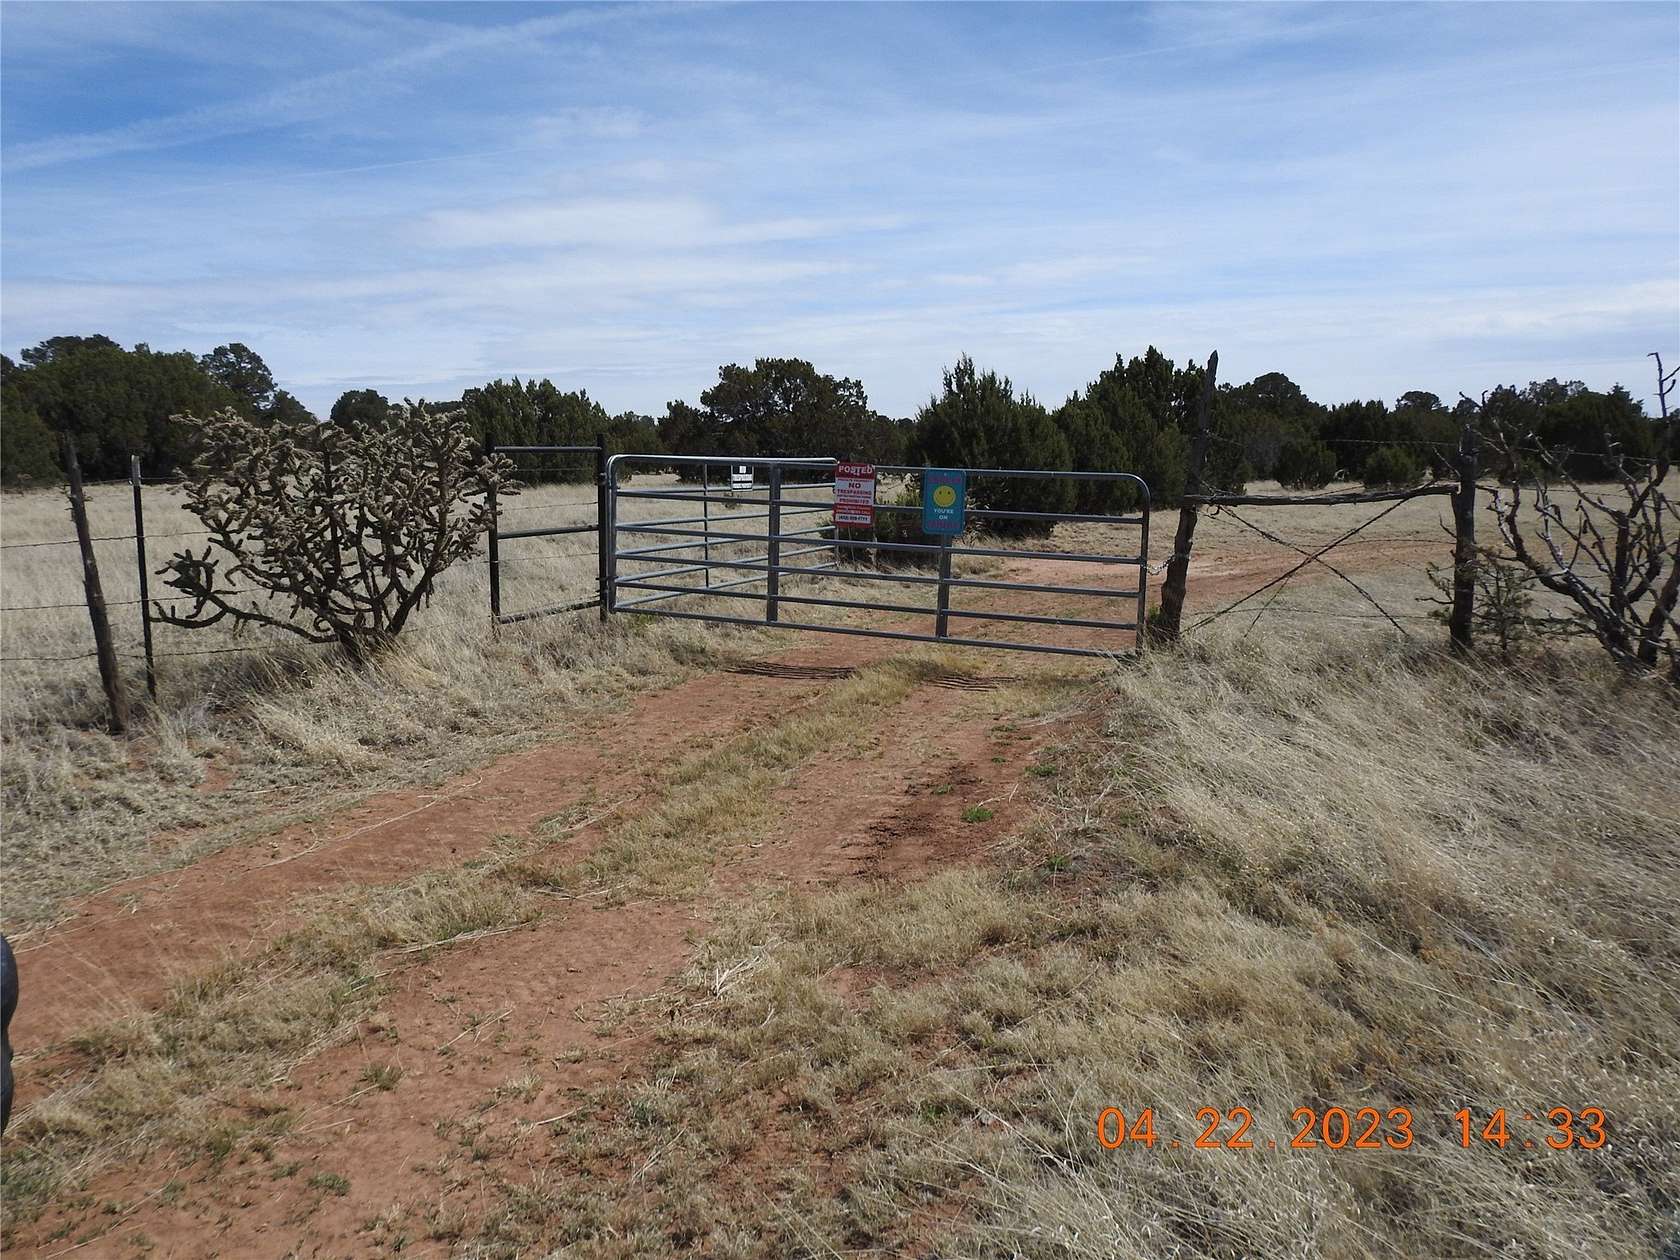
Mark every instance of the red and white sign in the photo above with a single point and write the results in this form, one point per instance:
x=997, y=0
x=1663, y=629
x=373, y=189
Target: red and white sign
x=854, y=494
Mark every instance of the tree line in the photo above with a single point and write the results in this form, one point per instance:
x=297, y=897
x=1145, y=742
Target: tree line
x=1138, y=415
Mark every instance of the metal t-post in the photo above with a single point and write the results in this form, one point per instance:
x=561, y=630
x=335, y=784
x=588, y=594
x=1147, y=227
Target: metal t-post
x=601, y=530
x=773, y=585
x=492, y=542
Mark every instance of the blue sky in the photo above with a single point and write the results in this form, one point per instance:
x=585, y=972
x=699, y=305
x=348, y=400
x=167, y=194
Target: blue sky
x=420, y=198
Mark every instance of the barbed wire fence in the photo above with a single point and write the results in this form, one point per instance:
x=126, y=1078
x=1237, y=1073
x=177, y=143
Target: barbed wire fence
x=111, y=647
x=108, y=649
x=1201, y=496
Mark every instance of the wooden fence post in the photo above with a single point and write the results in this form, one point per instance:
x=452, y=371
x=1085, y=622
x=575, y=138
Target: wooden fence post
x=108, y=674
x=1178, y=564
x=1464, y=541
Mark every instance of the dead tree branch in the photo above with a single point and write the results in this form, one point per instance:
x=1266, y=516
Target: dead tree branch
x=1612, y=549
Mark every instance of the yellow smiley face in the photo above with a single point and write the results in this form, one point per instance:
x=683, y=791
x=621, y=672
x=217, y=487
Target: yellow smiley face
x=944, y=496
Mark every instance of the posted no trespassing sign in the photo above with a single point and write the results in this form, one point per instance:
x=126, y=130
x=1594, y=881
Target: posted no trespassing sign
x=854, y=494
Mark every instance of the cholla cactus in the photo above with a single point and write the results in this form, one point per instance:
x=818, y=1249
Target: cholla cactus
x=331, y=535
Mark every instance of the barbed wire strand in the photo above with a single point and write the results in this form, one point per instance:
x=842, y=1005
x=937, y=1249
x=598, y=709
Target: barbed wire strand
x=124, y=603
x=532, y=507
x=65, y=542
x=1284, y=577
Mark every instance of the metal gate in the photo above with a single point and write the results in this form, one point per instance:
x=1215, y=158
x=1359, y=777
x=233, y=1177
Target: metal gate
x=596, y=457
x=799, y=553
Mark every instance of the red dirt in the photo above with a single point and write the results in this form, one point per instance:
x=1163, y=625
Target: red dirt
x=124, y=946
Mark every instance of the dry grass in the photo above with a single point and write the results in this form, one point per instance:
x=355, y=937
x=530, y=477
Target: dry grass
x=1293, y=874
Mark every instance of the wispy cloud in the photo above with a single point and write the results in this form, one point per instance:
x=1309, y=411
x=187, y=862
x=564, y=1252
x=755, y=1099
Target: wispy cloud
x=663, y=224
x=315, y=97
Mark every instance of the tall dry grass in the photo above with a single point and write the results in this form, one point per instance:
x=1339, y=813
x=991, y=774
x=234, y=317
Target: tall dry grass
x=1295, y=870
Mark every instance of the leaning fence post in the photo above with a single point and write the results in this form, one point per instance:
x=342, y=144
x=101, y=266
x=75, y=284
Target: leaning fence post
x=773, y=585
x=493, y=542
x=1178, y=564
x=108, y=675
x=1460, y=624
x=601, y=531
x=145, y=582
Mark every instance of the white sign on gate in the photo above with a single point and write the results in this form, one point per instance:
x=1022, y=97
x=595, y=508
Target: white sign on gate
x=854, y=494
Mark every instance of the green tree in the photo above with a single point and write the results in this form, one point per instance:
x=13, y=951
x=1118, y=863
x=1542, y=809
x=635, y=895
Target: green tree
x=786, y=408
x=537, y=413
x=285, y=409
x=115, y=402
x=1140, y=416
x=27, y=446
x=630, y=431
x=686, y=430
x=978, y=421
x=1591, y=432
x=62, y=347
x=241, y=370
x=1267, y=414
x=1392, y=467
x=1304, y=463
x=358, y=409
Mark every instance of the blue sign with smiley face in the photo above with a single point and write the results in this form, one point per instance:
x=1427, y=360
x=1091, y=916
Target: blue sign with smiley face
x=944, y=500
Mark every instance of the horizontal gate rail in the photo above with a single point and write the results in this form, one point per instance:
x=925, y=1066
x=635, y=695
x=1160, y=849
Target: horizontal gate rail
x=636, y=553
x=733, y=516
x=793, y=490
x=975, y=614
x=699, y=565
x=864, y=544
x=914, y=579
x=872, y=633
x=1003, y=514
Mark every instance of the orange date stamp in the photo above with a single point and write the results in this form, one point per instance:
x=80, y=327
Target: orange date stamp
x=1361, y=1129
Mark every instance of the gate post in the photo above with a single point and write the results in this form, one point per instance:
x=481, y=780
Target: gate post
x=1178, y=564
x=942, y=618
x=601, y=531
x=773, y=585
x=492, y=542
x=1141, y=634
